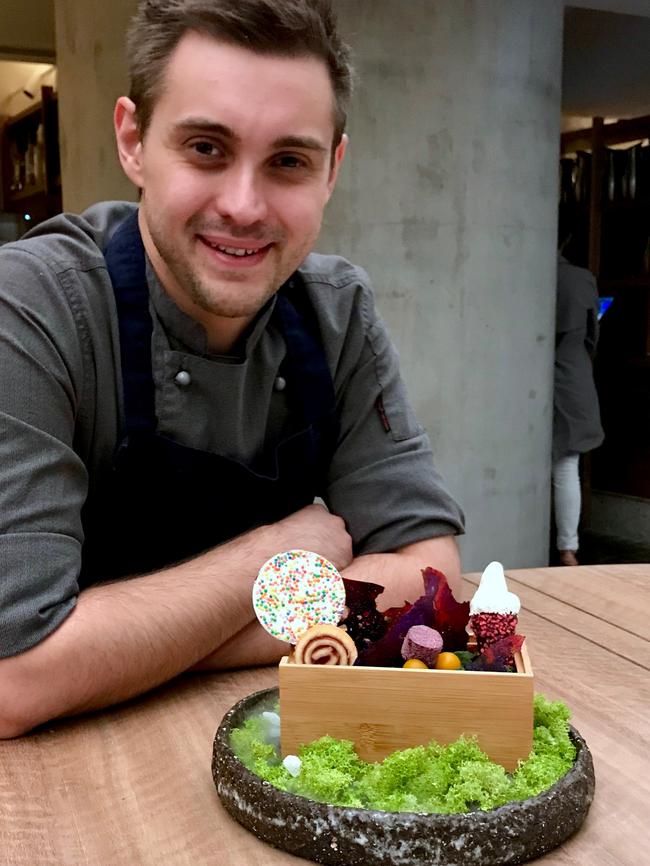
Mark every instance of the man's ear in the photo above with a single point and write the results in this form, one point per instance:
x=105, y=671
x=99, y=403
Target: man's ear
x=129, y=145
x=339, y=153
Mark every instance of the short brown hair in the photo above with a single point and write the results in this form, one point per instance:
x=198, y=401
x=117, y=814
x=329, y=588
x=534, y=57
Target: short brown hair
x=293, y=28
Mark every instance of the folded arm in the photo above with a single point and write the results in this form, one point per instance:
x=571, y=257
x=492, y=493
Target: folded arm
x=126, y=637
x=399, y=572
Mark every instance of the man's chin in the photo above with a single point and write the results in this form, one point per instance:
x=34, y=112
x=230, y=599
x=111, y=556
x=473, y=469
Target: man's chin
x=218, y=303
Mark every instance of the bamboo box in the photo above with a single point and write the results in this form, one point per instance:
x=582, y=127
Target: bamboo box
x=384, y=709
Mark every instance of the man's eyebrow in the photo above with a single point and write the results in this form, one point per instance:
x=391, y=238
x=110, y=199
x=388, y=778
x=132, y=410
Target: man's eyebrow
x=201, y=124
x=305, y=142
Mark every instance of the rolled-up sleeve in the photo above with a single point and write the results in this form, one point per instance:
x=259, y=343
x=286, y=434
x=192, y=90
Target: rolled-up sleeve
x=38, y=588
x=43, y=482
x=382, y=478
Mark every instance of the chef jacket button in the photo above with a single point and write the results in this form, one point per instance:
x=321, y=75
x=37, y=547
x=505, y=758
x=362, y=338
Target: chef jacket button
x=280, y=383
x=182, y=378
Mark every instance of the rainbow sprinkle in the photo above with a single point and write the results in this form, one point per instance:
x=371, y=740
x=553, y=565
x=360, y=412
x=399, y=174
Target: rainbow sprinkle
x=295, y=590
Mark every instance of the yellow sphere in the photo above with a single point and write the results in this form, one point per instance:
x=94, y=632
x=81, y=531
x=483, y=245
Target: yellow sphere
x=415, y=663
x=448, y=662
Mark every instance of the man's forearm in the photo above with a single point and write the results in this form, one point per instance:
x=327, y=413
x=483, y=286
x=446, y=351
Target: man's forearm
x=400, y=571
x=126, y=637
x=250, y=647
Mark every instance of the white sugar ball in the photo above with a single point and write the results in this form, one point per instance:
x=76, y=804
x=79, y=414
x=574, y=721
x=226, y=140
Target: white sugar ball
x=292, y=765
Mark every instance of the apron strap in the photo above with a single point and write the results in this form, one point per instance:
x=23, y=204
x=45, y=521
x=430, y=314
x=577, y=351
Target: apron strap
x=125, y=260
x=310, y=377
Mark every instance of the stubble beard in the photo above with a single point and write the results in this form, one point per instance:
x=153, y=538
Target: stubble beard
x=214, y=296
x=233, y=297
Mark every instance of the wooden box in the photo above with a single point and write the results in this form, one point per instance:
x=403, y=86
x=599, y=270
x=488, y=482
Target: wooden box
x=383, y=709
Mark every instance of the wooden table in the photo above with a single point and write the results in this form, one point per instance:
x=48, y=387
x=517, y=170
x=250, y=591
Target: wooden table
x=133, y=785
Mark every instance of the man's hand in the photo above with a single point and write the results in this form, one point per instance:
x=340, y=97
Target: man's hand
x=314, y=528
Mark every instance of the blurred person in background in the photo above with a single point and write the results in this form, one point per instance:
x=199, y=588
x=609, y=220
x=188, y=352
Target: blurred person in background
x=576, y=413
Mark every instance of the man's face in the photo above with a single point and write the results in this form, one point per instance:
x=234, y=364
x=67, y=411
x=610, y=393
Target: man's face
x=236, y=170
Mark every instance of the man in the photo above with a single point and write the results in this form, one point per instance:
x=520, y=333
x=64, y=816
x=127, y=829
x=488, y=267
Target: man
x=181, y=379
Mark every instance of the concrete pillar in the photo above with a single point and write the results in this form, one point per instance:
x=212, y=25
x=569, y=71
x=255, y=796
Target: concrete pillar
x=92, y=74
x=449, y=200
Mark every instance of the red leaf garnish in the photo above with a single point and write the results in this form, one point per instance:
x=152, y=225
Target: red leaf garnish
x=363, y=622
x=497, y=656
x=359, y=594
x=450, y=616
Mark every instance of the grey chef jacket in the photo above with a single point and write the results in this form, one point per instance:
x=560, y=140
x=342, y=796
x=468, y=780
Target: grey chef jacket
x=576, y=415
x=61, y=409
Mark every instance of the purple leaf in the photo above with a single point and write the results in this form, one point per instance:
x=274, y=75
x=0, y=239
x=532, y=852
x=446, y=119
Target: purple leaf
x=386, y=652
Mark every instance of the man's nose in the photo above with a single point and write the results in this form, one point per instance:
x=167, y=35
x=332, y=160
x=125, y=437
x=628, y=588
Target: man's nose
x=240, y=195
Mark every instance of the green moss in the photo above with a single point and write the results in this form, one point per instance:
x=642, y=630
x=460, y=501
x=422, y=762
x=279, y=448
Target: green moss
x=330, y=769
x=248, y=743
x=433, y=778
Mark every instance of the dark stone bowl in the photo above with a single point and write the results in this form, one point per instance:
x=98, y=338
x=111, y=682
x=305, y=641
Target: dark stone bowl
x=341, y=836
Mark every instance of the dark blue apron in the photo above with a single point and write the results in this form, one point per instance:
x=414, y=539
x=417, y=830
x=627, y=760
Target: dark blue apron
x=160, y=501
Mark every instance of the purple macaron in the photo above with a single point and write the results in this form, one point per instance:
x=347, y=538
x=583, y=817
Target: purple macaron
x=423, y=643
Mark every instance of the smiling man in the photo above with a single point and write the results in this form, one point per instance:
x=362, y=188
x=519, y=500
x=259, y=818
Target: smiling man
x=236, y=166
x=181, y=378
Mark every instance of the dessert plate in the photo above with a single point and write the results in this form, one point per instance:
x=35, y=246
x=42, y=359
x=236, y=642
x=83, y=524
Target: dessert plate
x=340, y=836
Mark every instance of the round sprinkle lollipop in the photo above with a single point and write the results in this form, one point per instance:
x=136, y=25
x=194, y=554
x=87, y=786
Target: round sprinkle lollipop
x=295, y=590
